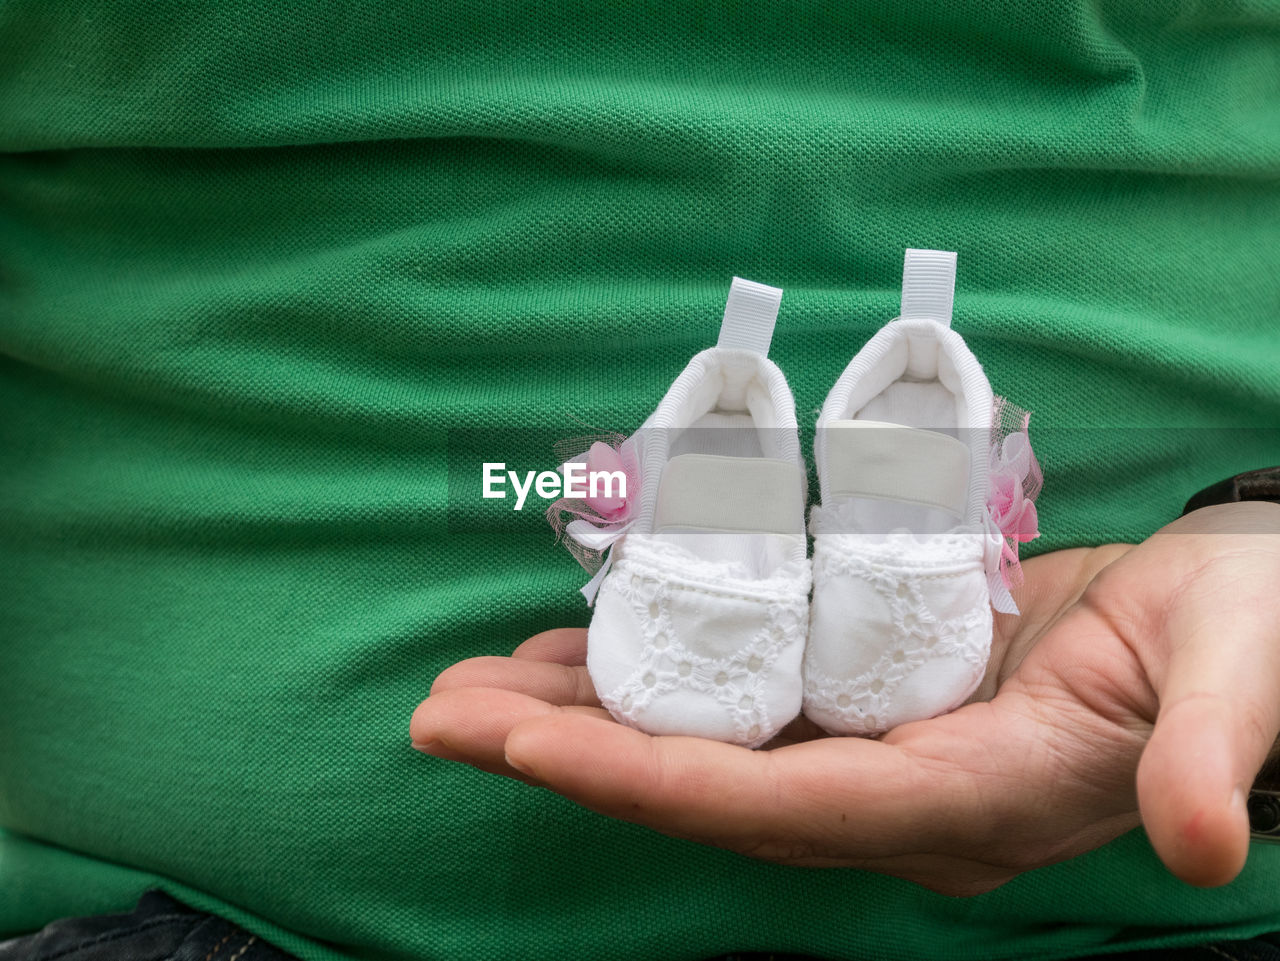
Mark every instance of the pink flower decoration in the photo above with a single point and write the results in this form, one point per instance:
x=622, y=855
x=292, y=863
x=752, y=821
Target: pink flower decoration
x=1012, y=510
x=590, y=525
x=601, y=458
x=1016, y=480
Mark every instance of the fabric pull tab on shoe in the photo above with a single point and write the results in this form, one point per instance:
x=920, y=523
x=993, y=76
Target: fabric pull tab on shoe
x=749, y=316
x=928, y=285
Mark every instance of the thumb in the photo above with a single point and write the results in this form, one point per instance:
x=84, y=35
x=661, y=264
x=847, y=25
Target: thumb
x=1219, y=714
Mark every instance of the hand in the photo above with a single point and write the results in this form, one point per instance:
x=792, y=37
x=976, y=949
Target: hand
x=1141, y=685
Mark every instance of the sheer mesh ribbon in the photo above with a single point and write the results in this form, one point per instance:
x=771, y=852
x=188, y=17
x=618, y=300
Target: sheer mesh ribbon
x=1016, y=480
x=590, y=525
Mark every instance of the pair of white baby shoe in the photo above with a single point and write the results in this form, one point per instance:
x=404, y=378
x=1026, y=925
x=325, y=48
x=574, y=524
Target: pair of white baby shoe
x=703, y=620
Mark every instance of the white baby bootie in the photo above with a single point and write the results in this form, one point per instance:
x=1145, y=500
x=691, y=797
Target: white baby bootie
x=927, y=484
x=702, y=605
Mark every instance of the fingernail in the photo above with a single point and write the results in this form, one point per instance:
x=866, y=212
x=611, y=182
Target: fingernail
x=522, y=768
x=1237, y=798
x=427, y=747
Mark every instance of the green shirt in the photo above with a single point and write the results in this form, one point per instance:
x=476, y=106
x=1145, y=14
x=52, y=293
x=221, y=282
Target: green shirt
x=271, y=272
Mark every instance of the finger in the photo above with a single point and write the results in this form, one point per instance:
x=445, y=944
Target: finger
x=861, y=798
x=551, y=682
x=438, y=750
x=473, y=723
x=1218, y=718
x=564, y=645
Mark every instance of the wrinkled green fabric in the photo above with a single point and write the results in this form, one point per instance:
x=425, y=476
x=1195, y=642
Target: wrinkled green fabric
x=264, y=268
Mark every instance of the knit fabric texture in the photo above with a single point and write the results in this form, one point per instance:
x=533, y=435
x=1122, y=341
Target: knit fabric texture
x=276, y=278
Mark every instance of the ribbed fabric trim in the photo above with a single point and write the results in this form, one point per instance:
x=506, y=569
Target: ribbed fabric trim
x=749, y=316
x=928, y=285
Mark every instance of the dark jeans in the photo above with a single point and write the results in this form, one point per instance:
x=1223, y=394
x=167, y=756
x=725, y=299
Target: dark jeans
x=162, y=929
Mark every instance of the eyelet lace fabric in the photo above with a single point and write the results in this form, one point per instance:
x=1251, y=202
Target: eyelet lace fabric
x=707, y=630
x=918, y=581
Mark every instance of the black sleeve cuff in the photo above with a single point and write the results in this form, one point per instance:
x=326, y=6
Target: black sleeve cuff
x=1255, y=485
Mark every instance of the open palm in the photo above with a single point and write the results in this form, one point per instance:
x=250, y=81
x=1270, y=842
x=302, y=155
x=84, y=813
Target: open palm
x=1141, y=685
